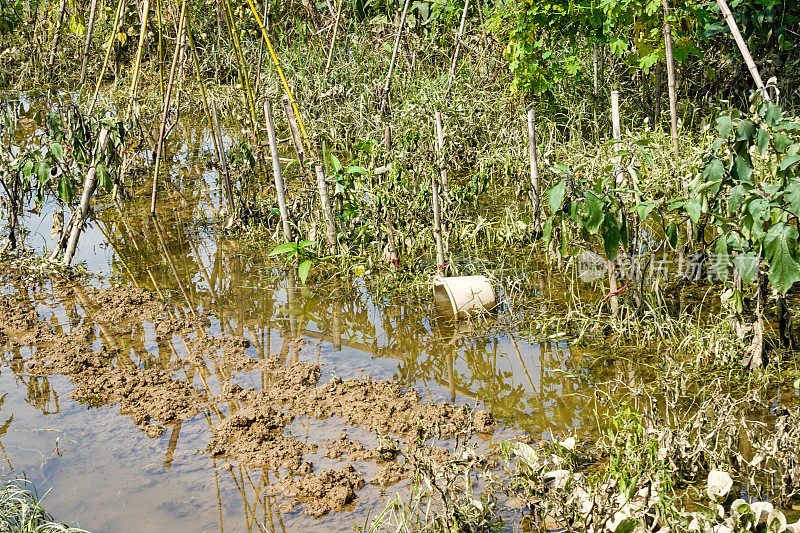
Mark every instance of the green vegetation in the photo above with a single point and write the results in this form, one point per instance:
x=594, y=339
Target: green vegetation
x=608, y=212
x=21, y=510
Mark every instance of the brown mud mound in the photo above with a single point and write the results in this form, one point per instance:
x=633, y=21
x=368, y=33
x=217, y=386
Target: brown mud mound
x=330, y=490
x=253, y=436
x=392, y=473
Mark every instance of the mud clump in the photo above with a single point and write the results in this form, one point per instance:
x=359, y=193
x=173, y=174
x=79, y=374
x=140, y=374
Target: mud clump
x=330, y=490
x=352, y=449
x=392, y=473
x=253, y=436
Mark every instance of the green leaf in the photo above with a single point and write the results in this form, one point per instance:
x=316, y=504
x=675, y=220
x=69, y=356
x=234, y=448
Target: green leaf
x=762, y=140
x=57, y=150
x=789, y=160
x=724, y=125
x=773, y=115
x=65, y=191
x=103, y=176
x=747, y=266
x=285, y=248
x=355, y=169
x=797, y=383
x=611, y=237
x=714, y=170
x=337, y=165
x=737, y=197
x=302, y=270
x=555, y=196
x=672, y=234
x=643, y=209
x=742, y=169
x=745, y=130
x=43, y=173
x=594, y=207
x=693, y=209
x=792, y=196
x=722, y=259
x=780, y=248
x=781, y=141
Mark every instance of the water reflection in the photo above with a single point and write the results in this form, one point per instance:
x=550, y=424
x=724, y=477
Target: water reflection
x=184, y=259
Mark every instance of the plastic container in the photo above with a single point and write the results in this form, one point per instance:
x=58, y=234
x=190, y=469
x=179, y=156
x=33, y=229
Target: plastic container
x=463, y=296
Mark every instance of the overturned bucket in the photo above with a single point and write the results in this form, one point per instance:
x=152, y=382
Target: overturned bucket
x=463, y=296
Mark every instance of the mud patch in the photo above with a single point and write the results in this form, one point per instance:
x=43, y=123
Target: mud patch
x=330, y=490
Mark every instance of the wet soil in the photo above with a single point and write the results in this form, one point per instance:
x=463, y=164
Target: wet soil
x=97, y=355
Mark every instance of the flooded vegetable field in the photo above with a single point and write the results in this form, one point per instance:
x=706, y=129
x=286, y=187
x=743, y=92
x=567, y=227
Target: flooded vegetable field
x=186, y=383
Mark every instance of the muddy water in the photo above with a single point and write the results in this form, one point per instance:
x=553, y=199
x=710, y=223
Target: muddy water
x=111, y=471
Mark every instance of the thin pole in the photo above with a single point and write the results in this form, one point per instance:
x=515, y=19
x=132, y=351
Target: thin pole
x=333, y=40
x=440, y=144
x=437, y=224
x=61, y=11
x=327, y=211
x=223, y=159
x=117, y=18
x=167, y=97
x=280, y=72
x=534, y=165
x=138, y=62
x=280, y=188
x=616, y=134
x=737, y=36
x=89, y=31
x=452, y=73
x=673, y=93
x=388, y=84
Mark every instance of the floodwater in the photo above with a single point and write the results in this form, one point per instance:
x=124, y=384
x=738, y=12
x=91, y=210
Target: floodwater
x=105, y=474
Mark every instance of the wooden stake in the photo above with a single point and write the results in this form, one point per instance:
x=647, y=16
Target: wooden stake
x=333, y=40
x=617, y=159
x=388, y=84
x=461, y=26
x=437, y=224
x=748, y=59
x=534, y=166
x=327, y=211
x=223, y=158
x=440, y=144
x=165, y=112
x=673, y=94
x=89, y=186
x=61, y=11
x=295, y=133
x=595, y=71
x=138, y=61
x=280, y=188
x=117, y=18
x=89, y=30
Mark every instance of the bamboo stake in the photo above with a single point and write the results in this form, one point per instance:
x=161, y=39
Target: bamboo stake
x=657, y=97
x=330, y=229
x=138, y=61
x=534, y=166
x=440, y=144
x=280, y=188
x=260, y=54
x=673, y=94
x=223, y=158
x=333, y=39
x=160, y=51
x=748, y=59
x=388, y=84
x=200, y=82
x=89, y=186
x=117, y=18
x=296, y=140
x=437, y=225
x=61, y=11
x=243, y=76
x=165, y=112
x=452, y=73
x=617, y=159
x=280, y=72
x=89, y=31
x=595, y=71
